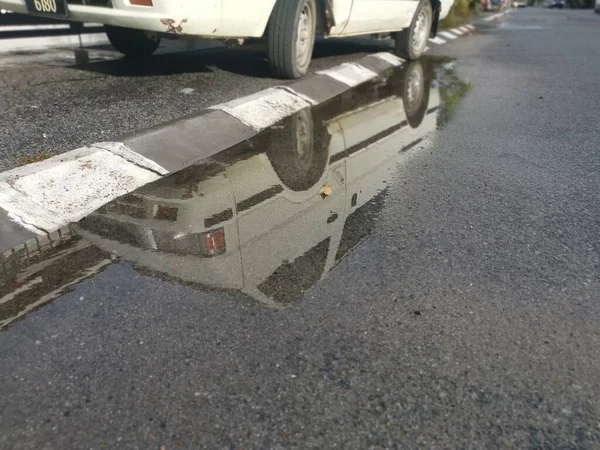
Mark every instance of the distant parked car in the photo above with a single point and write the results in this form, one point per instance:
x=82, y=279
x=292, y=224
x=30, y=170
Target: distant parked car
x=494, y=5
x=560, y=4
x=597, y=7
x=519, y=3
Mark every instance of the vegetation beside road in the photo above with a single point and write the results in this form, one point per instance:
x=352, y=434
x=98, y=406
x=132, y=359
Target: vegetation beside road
x=461, y=13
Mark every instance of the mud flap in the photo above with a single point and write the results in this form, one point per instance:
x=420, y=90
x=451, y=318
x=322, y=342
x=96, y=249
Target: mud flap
x=437, y=8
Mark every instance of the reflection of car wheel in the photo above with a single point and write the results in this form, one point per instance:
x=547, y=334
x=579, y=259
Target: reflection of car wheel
x=415, y=96
x=298, y=152
x=131, y=42
x=291, y=37
x=410, y=43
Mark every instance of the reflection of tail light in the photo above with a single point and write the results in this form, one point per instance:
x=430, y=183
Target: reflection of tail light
x=207, y=244
x=215, y=242
x=166, y=213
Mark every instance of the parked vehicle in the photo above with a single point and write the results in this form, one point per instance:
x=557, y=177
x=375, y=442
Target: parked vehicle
x=519, y=3
x=597, y=7
x=494, y=5
x=135, y=27
x=560, y=4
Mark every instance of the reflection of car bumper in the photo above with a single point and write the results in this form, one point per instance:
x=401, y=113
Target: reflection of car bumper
x=157, y=18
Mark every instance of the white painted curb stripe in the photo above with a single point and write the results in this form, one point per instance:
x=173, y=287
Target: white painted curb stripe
x=464, y=29
x=470, y=27
x=437, y=40
x=390, y=58
x=304, y=97
x=264, y=108
x=351, y=74
x=42, y=42
x=493, y=17
x=447, y=35
x=68, y=187
x=457, y=31
x=120, y=149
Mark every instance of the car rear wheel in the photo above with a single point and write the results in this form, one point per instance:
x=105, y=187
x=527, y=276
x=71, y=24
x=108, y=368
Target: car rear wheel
x=291, y=37
x=410, y=43
x=131, y=42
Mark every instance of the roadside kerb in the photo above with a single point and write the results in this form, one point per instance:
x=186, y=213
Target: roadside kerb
x=45, y=196
x=494, y=16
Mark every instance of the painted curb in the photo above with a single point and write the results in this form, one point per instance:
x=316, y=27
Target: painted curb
x=46, y=196
x=495, y=16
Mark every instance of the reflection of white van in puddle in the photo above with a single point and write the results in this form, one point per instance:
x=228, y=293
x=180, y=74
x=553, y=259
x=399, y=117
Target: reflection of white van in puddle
x=258, y=220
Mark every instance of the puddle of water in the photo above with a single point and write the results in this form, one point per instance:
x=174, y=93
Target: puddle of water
x=269, y=217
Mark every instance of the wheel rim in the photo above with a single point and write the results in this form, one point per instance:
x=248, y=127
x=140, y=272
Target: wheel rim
x=305, y=36
x=304, y=141
x=414, y=88
x=414, y=94
x=419, y=38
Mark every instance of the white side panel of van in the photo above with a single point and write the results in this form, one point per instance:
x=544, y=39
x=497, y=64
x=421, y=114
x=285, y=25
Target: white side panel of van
x=374, y=16
x=245, y=18
x=341, y=15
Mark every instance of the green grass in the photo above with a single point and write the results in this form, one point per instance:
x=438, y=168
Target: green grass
x=23, y=160
x=461, y=13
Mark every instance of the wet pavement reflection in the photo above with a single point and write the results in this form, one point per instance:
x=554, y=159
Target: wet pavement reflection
x=269, y=217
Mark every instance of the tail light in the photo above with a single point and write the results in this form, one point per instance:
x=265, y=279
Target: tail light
x=141, y=2
x=215, y=242
x=165, y=213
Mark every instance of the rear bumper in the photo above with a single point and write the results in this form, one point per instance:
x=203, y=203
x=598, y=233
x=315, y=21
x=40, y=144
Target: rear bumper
x=159, y=18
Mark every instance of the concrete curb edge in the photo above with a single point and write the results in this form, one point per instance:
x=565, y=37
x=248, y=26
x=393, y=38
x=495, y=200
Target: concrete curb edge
x=45, y=197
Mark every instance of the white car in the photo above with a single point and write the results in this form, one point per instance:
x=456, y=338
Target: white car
x=135, y=27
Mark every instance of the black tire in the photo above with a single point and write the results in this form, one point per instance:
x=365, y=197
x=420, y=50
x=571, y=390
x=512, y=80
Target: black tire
x=132, y=43
x=290, y=21
x=415, y=95
x=405, y=44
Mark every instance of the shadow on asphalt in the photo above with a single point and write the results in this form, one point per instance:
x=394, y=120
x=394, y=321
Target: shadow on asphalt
x=247, y=61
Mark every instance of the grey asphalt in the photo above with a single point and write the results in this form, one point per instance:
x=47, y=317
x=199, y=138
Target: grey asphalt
x=468, y=318
x=52, y=105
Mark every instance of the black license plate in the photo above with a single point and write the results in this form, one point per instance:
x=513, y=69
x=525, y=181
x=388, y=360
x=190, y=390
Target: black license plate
x=48, y=8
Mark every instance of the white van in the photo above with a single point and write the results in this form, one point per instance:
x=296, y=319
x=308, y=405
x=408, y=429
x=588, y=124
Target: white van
x=135, y=27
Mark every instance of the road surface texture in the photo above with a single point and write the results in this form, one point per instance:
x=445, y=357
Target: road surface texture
x=52, y=105
x=463, y=311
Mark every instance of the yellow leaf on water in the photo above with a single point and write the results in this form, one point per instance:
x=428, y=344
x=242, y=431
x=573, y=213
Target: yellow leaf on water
x=326, y=190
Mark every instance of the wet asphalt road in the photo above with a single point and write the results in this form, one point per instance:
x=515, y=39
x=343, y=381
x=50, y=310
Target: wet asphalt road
x=52, y=105
x=467, y=317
